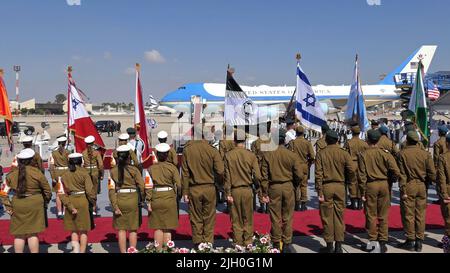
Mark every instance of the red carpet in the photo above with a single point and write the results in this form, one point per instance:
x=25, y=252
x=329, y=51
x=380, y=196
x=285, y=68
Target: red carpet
x=305, y=223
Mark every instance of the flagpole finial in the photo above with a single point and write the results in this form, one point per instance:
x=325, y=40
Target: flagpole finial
x=298, y=56
x=1, y=72
x=357, y=56
x=138, y=67
x=69, y=69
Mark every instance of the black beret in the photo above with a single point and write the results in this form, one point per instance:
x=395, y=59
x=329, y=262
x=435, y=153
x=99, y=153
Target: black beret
x=374, y=135
x=332, y=134
x=131, y=131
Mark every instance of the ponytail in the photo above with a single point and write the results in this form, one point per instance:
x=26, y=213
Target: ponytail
x=122, y=159
x=22, y=181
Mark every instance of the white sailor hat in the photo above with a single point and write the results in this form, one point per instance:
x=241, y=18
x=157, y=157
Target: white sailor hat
x=75, y=155
x=123, y=148
x=26, y=154
x=162, y=147
x=26, y=139
x=89, y=139
x=124, y=137
x=61, y=139
x=162, y=134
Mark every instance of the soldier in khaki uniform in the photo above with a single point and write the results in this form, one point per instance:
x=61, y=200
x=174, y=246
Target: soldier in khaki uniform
x=410, y=127
x=304, y=149
x=27, y=143
x=78, y=195
x=444, y=185
x=93, y=163
x=28, y=207
x=321, y=143
x=173, y=156
x=281, y=170
x=58, y=165
x=123, y=140
x=387, y=144
x=162, y=198
x=241, y=171
x=126, y=192
x=417, y=169
x=201, y=162
x=374, y=166
x=334, y=167
x=354, y=147
x=439, y=148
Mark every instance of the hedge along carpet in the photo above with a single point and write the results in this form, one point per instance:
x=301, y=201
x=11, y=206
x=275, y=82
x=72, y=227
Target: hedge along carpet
x=304, y=224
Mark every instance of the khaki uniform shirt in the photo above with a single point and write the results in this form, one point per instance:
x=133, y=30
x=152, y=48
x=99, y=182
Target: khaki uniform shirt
x=333, y=165
x=320, y=144
x=280, y=166
x=163, y=174
x=304, y=149
x=374, y=165
x=439, y=148
x=416, y=165
x=241, y=169
x=200, y=162
x=225, y=146
x=94, y=160
x=77, y=181
x=58, y=160
x=386, y=144
x=444, y=175
x=173, y=157
x=133, y=159
x=132, y=179
x=355, y=146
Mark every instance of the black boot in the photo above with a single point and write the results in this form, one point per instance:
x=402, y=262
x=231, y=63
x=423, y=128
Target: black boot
x=338, y=247
x=297, y=206
x=407, y=245
x=327, y=249
x=303, y=207
x=353, y=205
x=383, y=247
x=360, y=204
x=418, y=246
x=261, y=208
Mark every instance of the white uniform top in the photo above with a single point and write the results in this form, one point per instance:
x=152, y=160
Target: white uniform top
x=138, y=147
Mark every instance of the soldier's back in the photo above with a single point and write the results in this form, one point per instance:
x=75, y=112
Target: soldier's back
x=281, y=163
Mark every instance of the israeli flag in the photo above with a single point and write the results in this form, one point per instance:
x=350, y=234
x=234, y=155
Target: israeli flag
x=308, y=109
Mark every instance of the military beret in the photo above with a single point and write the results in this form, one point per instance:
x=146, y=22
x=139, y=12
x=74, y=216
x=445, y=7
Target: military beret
x=443, y=130
x=384, y=130
x=123, y=149
x=412, y=136
x=124, y=137
x=26, y=139
x=356, y=129
x=26, y=154
x=89, y=139
x=325, y=128
x=131, y=131
x=374, y=135
x=162, y=135
x=61, y=139
x=375, y=122
x=300, y=130
x=162, y=147
x=281, y=133
x=332, y=134
x=75, y=155
x=448, y=138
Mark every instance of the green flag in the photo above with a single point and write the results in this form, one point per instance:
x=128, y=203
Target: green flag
x=418, y=105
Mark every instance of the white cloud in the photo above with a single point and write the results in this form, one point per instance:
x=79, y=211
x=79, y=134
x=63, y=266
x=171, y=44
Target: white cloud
x=107, y=55
x=154, y=56
x=130, y=71
x=374, y=2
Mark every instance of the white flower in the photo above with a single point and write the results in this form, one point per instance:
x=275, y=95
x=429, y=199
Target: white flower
x=250, y=246
x=183, y=250
x=193, y=251
x=201, y=246
x=132, y=250
x=274, y=250
x=263, y=240
x=156, y=244
x=240, y=248
x=170, y=244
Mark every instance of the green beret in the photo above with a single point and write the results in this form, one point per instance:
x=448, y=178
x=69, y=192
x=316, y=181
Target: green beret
x=332, y=135
x=384, y=130
x=374, y=135
x=131, y=131
x=356, y=129
x=412, y=136
x=443, y=130
x=325, y=128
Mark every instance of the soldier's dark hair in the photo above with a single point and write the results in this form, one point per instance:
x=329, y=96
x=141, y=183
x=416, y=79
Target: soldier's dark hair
x=122, y=158
x=22, y=181
x=74, y=162
x=162, y=140
x=162, y=157
x=61, y=147
x=330, y=140
x=27, y=145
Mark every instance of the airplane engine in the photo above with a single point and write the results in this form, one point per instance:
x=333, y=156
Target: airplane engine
x=327, y=110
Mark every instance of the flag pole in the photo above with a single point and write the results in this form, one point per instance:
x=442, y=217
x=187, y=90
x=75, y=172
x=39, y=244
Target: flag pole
x=69, y=71
x=298, y=57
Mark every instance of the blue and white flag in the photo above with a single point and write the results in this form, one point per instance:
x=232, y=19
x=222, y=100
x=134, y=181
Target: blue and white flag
x=308, y=109
x=356, y=109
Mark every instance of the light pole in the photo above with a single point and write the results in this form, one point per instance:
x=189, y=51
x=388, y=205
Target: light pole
x=17, y=70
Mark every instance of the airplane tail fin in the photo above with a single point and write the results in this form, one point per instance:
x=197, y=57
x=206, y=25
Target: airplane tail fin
x=410, y=65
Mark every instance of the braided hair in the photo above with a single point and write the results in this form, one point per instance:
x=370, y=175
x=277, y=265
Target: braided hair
x=22, y=181
x=74, y=162
x=123, y=161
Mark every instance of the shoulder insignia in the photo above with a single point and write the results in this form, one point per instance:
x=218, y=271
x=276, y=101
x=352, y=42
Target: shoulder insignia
x=386, y=151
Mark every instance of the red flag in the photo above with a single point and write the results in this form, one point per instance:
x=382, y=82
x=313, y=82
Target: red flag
x=140, y=121
x=80, y=123
x=5, y=111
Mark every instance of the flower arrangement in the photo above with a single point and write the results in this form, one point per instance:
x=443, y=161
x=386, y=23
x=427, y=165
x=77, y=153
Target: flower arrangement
x=261, y=244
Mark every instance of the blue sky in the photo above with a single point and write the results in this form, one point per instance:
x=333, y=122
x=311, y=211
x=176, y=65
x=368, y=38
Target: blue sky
x=179, y=42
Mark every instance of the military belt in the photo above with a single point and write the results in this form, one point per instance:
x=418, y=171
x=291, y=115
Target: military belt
x=279, y=182
x=61, y=168
x=126, y=191
x=202, y=184
x=91, y=167
x=77, y=193
x=162, y=189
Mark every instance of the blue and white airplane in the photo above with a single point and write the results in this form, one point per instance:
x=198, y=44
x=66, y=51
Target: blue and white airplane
x=332, y=98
